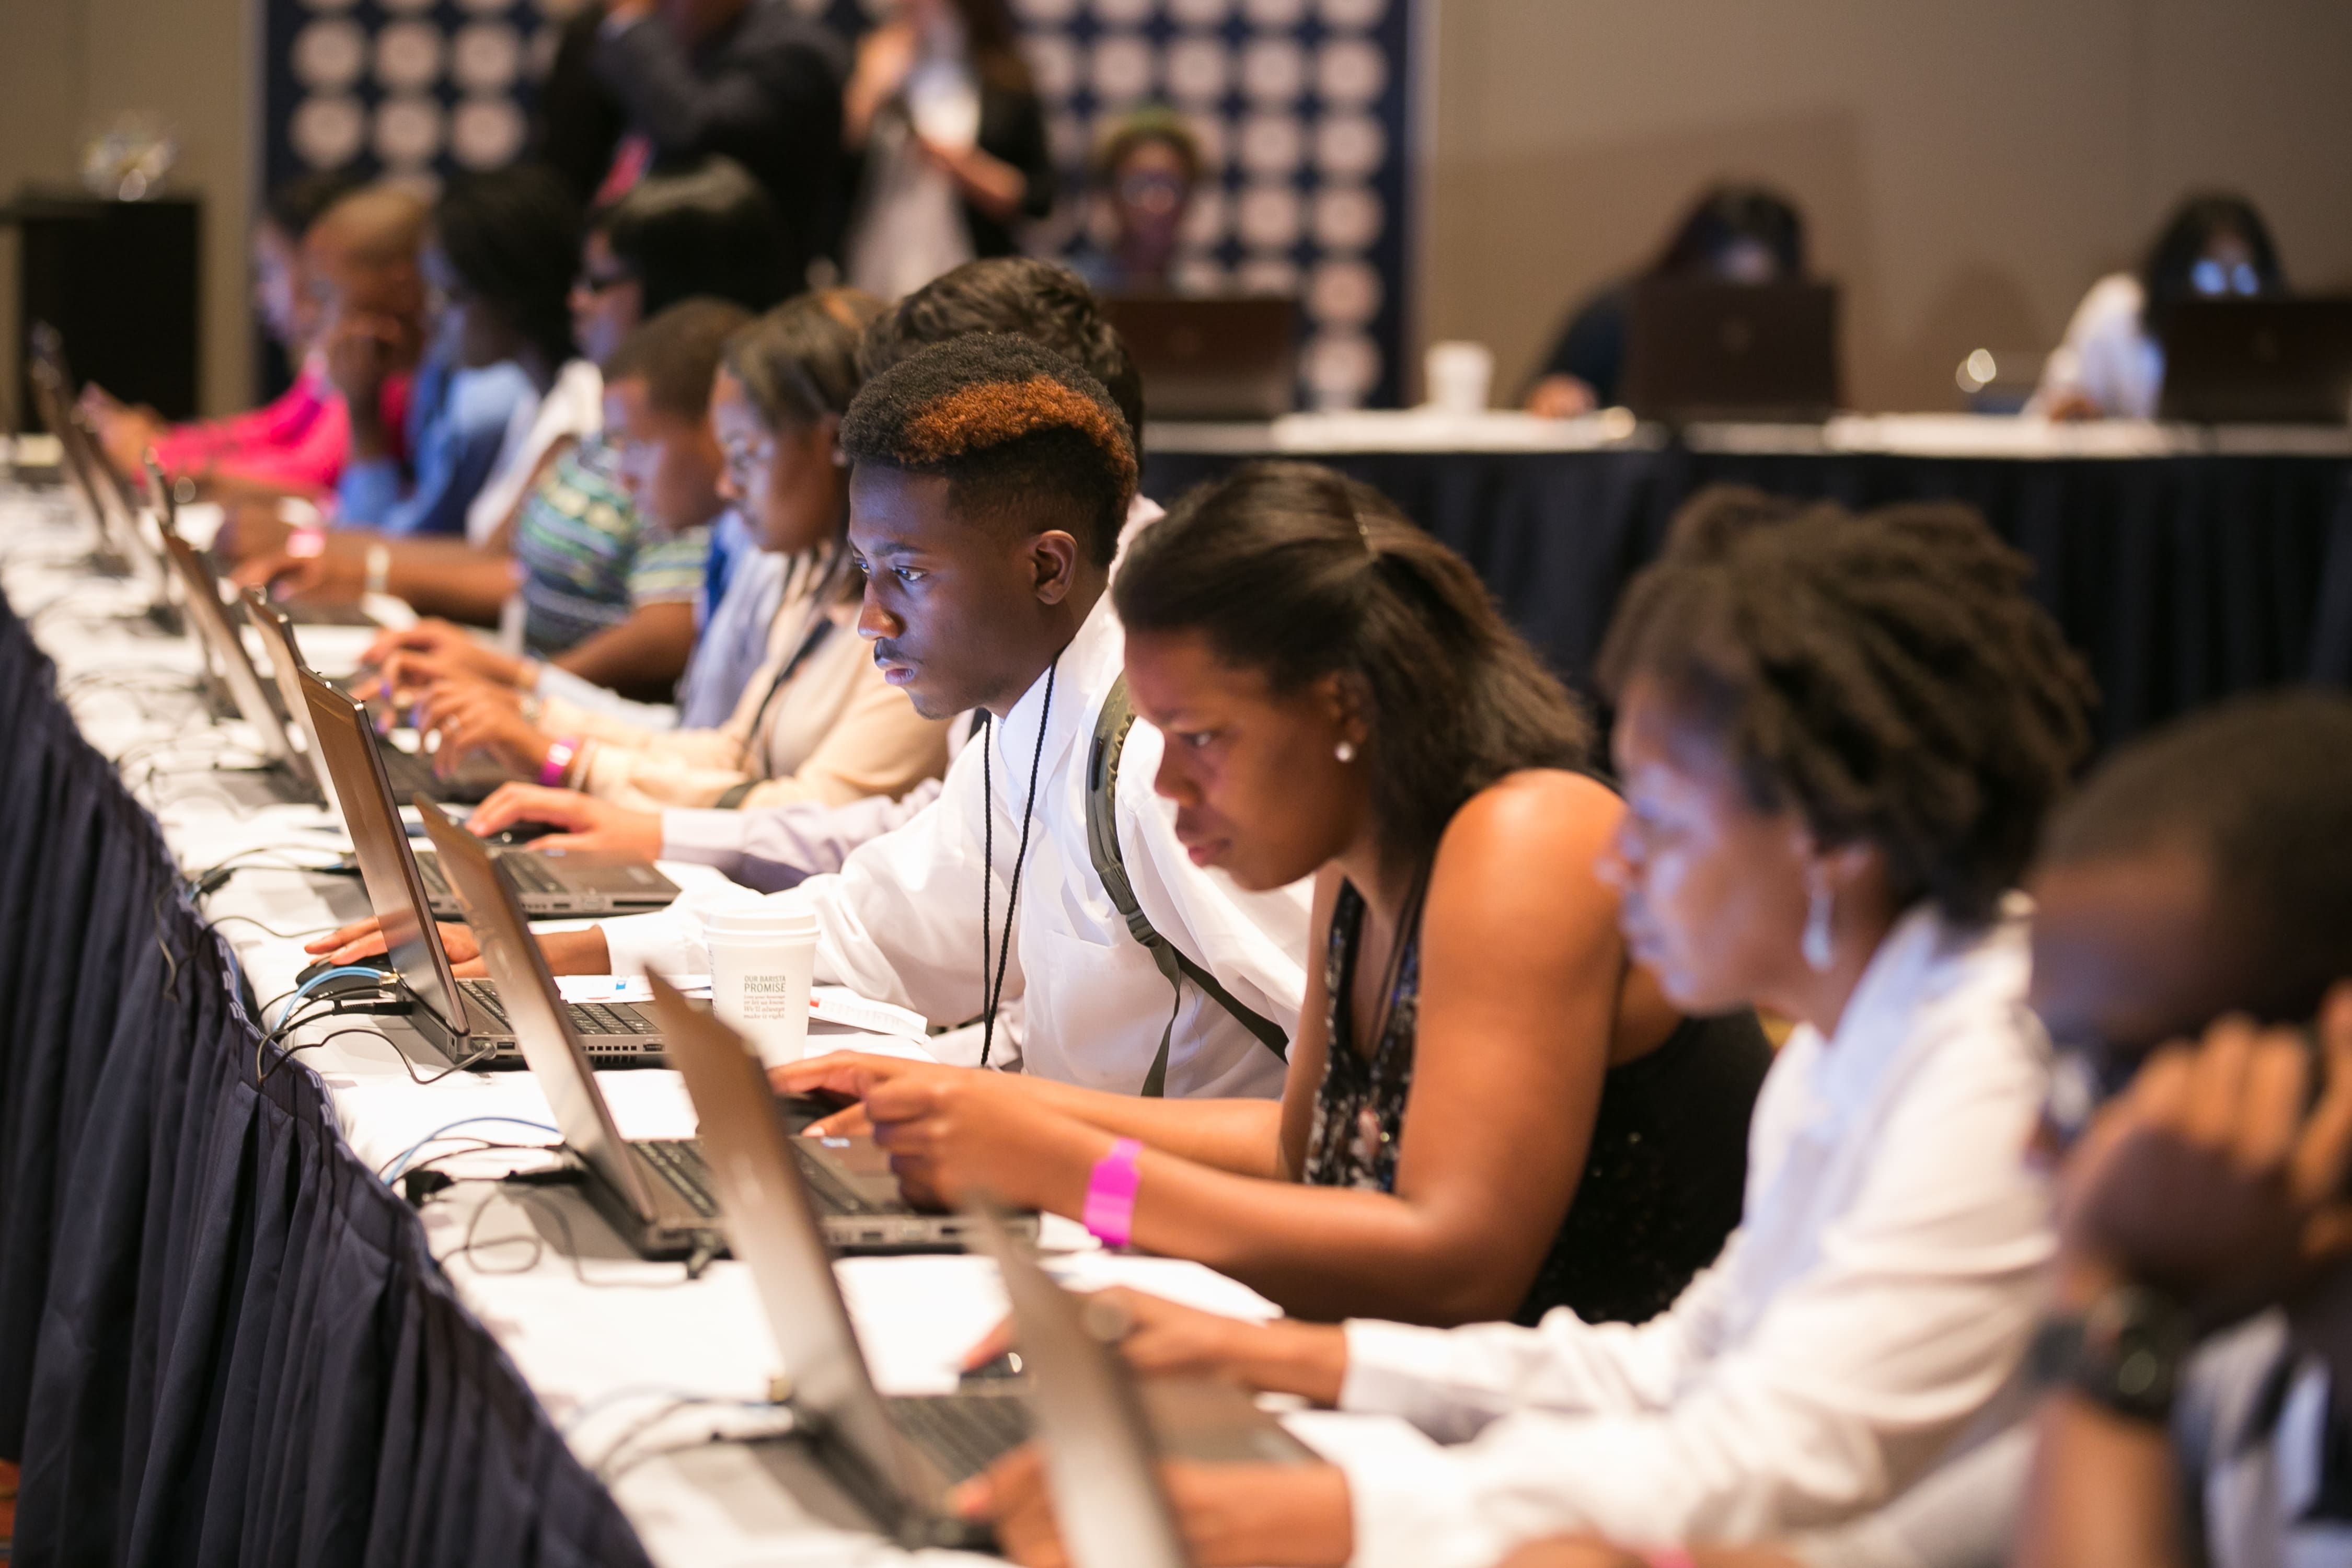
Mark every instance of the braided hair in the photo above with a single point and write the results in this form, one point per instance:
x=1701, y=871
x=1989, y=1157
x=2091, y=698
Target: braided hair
x=1023, y=436
x=1296, y=571
x=1885, y=675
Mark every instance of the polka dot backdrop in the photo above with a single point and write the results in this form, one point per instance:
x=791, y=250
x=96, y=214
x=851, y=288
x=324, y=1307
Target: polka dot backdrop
x=1300, y=104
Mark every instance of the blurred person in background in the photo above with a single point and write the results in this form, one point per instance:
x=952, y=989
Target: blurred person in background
x=1145, y=173
x=498, y=262
x=745, y=79
x=1735, y=234
x=947, y=139
x=293, y=445
x=604, y=595
x=2111, y=363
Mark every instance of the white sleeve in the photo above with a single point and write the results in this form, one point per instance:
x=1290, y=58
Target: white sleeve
x=1857, y=1368
x=900, y=921
x=775, y=846
x=555, y=682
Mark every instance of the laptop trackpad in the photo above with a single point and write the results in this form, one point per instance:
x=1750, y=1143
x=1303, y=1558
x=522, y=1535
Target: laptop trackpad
x=859, y=1163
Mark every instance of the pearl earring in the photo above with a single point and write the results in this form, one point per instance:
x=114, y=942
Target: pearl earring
x=1820, y=912
x=1345, y=751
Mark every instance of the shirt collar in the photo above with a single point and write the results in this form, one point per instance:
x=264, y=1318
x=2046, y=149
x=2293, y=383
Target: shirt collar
x=1878, y=1017
x=1081, y=674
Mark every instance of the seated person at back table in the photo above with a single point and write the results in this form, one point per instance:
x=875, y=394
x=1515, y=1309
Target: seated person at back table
x=1145, y=173
x=817, y=721
x=657, y=414
x=2201, y=871
x=1838, y=737
x=1490, y=1110
x=497, y=259
x=772, y=847
x=1735, y=234
x=2110, y=365
x=989, y=481
x=293, y=445
x=604, y=594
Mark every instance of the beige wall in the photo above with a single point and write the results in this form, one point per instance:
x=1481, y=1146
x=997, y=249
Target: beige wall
x=69, y=66
x=1967, y=169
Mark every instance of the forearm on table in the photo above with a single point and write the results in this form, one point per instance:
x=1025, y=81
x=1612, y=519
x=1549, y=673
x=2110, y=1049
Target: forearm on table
x=641, y=658
x=1328, y=1253
x=1240, y=1136
x=2105, y=1492
x=449, y=578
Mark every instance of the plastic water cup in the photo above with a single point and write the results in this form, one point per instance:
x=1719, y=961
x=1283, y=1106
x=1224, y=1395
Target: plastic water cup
x=1459, y=376
x=762, y=959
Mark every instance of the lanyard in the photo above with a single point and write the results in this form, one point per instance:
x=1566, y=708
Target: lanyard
x=989, y=992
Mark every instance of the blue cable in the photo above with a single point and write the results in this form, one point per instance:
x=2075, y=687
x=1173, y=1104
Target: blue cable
x=399, y=1160
x=321, y=978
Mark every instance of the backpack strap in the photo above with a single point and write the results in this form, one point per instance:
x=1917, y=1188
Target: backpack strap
x=1111, y=727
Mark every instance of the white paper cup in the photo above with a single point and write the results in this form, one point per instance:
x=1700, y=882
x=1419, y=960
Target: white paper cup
x=1459, y=376
x=762, y=958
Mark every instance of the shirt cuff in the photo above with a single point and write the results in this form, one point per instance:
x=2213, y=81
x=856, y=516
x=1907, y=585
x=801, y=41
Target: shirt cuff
x=1416, y=1510
x=1390, y=1366
x=704, y=838
x=659, y=944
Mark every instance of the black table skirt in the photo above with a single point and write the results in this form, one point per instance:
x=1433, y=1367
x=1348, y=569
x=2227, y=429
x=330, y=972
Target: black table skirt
x=222, y=1340
x=2181, y=580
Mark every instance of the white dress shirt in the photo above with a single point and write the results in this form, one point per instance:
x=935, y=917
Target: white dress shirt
x=1877, y=1295
x=901, y=921
x=2107, y=354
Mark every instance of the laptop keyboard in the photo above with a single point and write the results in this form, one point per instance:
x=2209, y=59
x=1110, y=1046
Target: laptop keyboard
x=587, y=1018
x=680, y=1161
x=964, y=1434
x=531, y=873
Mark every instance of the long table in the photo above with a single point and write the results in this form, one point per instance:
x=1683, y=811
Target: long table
x=2186, y=564
x=222, y=1337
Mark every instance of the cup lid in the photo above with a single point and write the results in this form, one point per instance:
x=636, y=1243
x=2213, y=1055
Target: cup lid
x=774, y=917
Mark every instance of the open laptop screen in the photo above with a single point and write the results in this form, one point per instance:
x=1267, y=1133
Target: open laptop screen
x=393, y=888
x=202, y=590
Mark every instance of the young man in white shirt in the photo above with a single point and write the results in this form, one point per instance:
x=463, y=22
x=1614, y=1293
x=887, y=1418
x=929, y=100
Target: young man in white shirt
x=991, y=478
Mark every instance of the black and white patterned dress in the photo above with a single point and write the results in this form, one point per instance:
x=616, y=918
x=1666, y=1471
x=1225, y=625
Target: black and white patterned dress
x=1662, y=1177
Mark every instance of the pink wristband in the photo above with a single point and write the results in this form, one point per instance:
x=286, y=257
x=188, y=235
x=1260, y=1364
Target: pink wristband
x=559, y=758
x=1109, y=1213
x=1669, y=1557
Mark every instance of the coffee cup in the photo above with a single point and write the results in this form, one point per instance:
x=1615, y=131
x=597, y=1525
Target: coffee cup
x=762, y=959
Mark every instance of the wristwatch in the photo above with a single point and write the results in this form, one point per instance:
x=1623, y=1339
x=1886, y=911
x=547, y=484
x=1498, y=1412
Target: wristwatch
x=2123, y=1355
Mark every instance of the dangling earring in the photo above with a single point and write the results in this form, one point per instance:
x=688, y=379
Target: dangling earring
x=1345, y=751
x=1821, y=910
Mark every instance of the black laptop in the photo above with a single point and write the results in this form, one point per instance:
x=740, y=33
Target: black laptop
x=2258, y=361
x=1212, y=358
x=1703, y=349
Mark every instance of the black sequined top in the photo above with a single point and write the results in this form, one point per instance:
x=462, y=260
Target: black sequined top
x=1663, y=1178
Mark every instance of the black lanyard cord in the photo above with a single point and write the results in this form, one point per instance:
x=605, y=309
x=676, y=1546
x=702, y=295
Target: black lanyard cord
x=993, y=990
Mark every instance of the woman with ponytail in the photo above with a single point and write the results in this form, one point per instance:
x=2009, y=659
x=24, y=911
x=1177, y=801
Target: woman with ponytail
x=1490, y=1110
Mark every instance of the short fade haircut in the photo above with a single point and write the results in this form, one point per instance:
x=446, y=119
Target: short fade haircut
x=1021, y=435
x=1040, y=300
x=677, y=354
x=2260, y=792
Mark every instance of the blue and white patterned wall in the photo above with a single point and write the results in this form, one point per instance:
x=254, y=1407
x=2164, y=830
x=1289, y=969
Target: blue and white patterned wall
x=1303, y=105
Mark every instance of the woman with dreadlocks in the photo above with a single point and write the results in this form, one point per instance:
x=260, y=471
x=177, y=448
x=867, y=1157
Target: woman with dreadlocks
x=1838, y=737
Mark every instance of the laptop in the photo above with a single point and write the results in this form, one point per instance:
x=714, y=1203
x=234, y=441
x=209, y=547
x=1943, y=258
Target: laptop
x=2258, y=361
x=556, y=883
x=410, y=774
x=122, y=549
x=1704, y=349
x=657, y=1194
x=462, y=1021
x=1234, y=358
x=1103, y=1433
x=895, y=1458
x=289, y=773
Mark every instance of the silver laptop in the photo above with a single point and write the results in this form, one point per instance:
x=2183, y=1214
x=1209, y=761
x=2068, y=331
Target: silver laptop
x=656, y=1193
x=555, y=883
x=290, y=772
x=1103, y=1431
x=895, y=1458
x=461, y=1021
x=124, y=549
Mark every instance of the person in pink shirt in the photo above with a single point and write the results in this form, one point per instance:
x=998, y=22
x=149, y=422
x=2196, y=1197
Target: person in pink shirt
x=296, y=444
